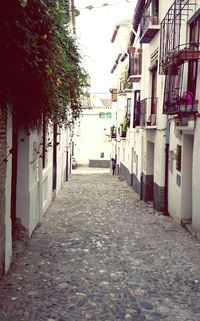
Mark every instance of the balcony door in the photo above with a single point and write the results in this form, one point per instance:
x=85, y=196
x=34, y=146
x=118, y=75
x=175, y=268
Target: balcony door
x=193, y=65
x=154, y=91
x=54, y=181
x=136, y=111
x=155, y=10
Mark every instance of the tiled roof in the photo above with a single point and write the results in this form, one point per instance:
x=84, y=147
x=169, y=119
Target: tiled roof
x=96, y=102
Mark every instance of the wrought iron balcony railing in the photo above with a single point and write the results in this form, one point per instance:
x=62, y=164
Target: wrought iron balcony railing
x=149, y=24
x=185, y=52
x=179, y=96
x=135, y=65
x=149, y=27
x=140, y=113
x=173, y=37
x=181, y=105
x=113, y=132
x=122, y=132
x=145, y=112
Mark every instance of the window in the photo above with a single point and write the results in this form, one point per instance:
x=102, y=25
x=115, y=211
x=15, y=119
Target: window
x=44, y=141
x=193, y=65
x=154, y=90
x=178, y=157
x=195, y=32
x=128, y=108
x=136, y=112
x=155, y=9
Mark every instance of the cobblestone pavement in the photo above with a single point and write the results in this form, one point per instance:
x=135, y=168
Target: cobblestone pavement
x=102, y=254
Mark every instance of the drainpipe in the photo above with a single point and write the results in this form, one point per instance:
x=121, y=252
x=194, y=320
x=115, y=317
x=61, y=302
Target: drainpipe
x=165, y=210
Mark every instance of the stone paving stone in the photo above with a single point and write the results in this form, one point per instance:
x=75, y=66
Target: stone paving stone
x=102, y=254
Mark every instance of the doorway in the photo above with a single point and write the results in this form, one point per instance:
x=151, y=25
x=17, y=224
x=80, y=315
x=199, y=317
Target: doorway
x=150, y=172
x=54, y=157
x=186, y=175
x=14, y=178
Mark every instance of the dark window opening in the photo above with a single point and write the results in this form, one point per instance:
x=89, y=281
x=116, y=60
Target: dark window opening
x=193, y=65
x=154, y=91
x=136, y=112
x=44, y=141
x=178, y=157
x=128, y=110
x=155, y=8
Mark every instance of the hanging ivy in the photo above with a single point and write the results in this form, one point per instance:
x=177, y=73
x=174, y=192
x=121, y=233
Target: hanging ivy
x=40, y=65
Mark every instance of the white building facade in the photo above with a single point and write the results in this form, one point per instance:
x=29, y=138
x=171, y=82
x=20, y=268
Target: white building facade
x=92, y=134
x=34, y=165
x=159, y=152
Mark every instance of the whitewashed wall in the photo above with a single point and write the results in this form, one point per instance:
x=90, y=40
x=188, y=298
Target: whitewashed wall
x=196, y=180
x=93, y=136
x=8, y=223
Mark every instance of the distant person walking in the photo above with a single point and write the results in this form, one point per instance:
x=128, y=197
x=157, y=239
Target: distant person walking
x=113, y=165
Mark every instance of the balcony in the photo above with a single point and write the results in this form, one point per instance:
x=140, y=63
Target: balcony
x=151, y=120
x=188, y=52
x=180, y=97
x=140, y=113
x=122, y=132
x=145, y=113
x=174, y=46
x=152, y=112
x=184, y=105
x=149, y=27
x=135, y=65
x=125, y=86
x=113, y=132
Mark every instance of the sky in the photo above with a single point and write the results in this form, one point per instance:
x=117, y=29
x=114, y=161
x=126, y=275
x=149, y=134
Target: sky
x=94, y=29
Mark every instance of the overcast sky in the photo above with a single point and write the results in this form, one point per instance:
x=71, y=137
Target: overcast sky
x=94, y=30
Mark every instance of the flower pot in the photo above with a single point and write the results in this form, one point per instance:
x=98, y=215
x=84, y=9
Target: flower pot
x=189, y=54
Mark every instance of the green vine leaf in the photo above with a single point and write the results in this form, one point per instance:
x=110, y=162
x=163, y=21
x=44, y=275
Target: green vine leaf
x=45, y=75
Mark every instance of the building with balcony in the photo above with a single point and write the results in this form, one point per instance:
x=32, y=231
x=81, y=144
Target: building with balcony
x=121, y=89
x=140, y=153
x=179, y=62
x=149, y=23
x=159, y=154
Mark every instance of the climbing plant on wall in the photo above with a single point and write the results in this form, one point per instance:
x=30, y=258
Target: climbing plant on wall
x=40, y=65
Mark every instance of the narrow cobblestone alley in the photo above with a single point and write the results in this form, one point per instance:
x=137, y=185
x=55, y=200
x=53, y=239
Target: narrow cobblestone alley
x=102, y=254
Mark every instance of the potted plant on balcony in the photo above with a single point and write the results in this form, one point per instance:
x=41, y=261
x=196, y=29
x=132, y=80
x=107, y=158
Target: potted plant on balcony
x=126, y=123
x=189, y=54
x=123, y=127
x=169, y=63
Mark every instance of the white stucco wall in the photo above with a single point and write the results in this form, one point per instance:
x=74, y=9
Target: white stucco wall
x=61, y=157
x=183, y=200
x=196, y=180
x=93, y=136
x=8, y=223
x=28, y=183
x=34, y=183
x=174, y=190
x=23, y=202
